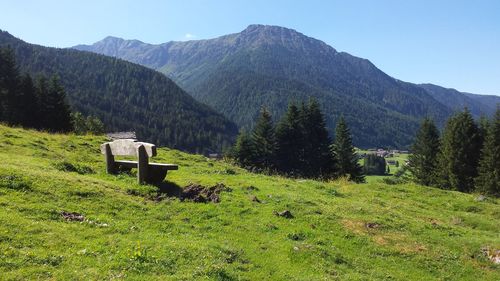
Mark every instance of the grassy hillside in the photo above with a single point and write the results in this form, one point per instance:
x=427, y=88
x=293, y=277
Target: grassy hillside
x=338, y=230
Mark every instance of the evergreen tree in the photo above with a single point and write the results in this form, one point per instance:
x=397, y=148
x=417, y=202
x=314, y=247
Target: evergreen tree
x=9, y=87
x=459, y=153
x=423, y=162
x=290, y=140
x=317, y=158
x=44, y=107
x=264, y=142
x=54, y=110
x=345, y=156
x=29, y=102
x=374, y=165
x=488, y=180
x=243, y=150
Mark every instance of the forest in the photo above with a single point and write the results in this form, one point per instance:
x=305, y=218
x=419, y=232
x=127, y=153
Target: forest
x=38, y=103
x=127, y=97
x=299, y=146
x=465, y=157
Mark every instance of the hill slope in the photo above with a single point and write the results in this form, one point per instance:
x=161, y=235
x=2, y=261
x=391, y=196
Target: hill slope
x=339, y=230
x=270, y=65
x=127, y=96
x=477, y=104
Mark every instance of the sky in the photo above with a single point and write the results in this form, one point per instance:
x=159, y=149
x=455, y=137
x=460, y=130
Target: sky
x=455, y=44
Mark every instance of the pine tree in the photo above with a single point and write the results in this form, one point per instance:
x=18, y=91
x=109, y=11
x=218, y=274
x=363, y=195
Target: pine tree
x=374, y=165
x=459, y=153
x=9, y=87
x=243, y=150
x=317, y=158
x=264, y=142
x=58, y=113
x=488, y=180
x=29, y=102
x=44, y=106
x=345, y=156
x=423, y=162
x=289, y=138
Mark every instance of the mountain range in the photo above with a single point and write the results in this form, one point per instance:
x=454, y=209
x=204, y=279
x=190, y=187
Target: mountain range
x=127, y=96
x=271, y=66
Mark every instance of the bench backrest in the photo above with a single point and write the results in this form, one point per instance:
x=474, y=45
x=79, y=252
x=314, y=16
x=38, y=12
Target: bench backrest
x=128, y=147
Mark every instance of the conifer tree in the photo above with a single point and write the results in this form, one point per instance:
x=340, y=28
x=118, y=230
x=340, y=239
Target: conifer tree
x=423, y=162
x=459, y=153
x=345, y=156
x=243, y=150
x=58, y=114
x=41, y=91
x=488, y=180
x=374, y=165
x=9, y=86
x=289, y=138
x=317, y=158
x=29, y=102
x=264, y=142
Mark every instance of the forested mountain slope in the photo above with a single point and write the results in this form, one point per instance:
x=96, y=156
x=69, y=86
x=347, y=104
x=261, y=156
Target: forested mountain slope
x=271, y=66
x=477, y=104
x=126, y=96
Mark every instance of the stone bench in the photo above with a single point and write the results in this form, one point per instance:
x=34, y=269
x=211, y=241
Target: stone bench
x=146, y=172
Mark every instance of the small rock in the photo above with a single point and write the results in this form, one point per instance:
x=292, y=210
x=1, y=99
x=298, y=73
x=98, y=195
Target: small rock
x=72, y=216
x=492, y=254
x=296, y=248
x=285, y=214
x=481, y=198
x=254, y=199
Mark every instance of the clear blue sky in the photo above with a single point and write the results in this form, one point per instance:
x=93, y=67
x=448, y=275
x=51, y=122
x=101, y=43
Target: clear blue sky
x=455, y=44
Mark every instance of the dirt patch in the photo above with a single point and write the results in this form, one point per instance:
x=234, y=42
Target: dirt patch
x=354, y=226
x=372, y=225
x=285, y=214
x=72, y=216
x=202, y=194
x=397, y=241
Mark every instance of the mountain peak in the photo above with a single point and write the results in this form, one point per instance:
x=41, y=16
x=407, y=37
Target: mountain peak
x=269, y=30
x=112, y=39
x=253, y=27
x=259, y=34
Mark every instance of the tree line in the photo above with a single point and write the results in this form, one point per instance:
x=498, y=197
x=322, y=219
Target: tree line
x=298, y=146
x=37, y=103
x=465, y=157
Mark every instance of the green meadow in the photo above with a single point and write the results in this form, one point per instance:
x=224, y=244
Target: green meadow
x=339, y=230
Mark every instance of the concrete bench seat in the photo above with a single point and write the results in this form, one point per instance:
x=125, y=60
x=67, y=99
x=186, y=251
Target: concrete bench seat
x=147, y=172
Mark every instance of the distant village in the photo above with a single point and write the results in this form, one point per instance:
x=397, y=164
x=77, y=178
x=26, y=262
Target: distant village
x=385, y=154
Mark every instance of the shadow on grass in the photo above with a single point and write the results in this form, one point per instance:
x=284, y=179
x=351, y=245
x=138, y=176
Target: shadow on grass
x=169, y=189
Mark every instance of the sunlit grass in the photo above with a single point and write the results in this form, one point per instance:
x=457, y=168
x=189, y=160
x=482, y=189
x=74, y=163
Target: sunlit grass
x=339, y=230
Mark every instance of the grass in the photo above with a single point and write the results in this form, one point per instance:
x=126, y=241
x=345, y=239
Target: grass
x=338, y=231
